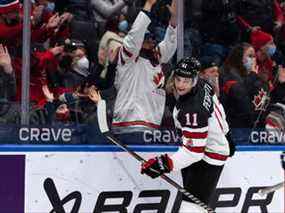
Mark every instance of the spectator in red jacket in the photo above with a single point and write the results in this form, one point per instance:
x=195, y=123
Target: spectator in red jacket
x=11, y=27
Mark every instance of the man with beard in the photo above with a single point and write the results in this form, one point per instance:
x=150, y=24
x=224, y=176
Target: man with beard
x=139, y=79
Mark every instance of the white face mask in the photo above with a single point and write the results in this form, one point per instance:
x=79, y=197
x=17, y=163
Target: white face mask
x=248, y=64
x=82, y=66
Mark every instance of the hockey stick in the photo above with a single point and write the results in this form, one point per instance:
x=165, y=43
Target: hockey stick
x=269, y=189
x=103, y=126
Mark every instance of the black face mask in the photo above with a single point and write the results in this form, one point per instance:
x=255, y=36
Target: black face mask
x=65, y=62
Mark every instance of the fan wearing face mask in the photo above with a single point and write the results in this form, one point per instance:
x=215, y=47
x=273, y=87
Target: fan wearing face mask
x=73, y=64
x=242, y=91
x=111, y=41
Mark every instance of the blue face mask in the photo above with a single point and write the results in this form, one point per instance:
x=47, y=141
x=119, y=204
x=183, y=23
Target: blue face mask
x=123, y=26
x=248, y=64
x=271, y=50
x=50, y=7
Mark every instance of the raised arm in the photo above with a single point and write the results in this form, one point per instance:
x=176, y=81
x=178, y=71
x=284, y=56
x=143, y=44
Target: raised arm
x=133, y=41
x=168, y=46
x=107, y=10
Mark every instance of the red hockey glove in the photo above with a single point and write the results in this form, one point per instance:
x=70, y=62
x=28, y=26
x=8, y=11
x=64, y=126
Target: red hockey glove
x=157, y=166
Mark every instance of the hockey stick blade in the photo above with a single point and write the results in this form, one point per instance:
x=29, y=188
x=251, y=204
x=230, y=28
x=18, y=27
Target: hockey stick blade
x=269, y=189
x=102, y=121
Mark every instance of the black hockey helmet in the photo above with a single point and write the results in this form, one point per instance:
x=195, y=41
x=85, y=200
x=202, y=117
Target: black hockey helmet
x=188, y=67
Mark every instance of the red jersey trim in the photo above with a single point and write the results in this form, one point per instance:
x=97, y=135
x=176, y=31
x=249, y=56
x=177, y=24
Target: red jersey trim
x=197, y=149
x=133, y=123
x=216, y=156
x=195, y=135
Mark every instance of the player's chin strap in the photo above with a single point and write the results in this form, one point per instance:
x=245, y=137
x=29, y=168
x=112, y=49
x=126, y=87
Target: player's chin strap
x=103, y=126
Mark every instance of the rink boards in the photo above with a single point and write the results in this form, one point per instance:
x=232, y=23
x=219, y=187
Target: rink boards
x=86, y=179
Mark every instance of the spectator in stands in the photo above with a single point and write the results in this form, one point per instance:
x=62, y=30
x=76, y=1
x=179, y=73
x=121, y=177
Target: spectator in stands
x=269, y=51
x=104, y=9
x=210, y=72
x=8, y=109
x=74, y=64
x=243, y=93
x=139, y=79
x=11, y=24
x=111, y=41
x=265, y=48
x=41, y=63
x=266, y=15
x=278, y=92
x=56, y=110
x=218, y=28
x=275, y=119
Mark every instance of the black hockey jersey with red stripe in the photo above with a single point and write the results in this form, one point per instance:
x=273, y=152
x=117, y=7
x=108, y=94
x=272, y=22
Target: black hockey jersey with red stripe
x=201, y=121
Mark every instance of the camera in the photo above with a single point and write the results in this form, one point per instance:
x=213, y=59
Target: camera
x=72, y=44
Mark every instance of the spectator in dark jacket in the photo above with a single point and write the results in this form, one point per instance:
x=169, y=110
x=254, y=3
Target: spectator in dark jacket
x=210, y=72
x=9, y=110
x=243, y=94
x=266, y=14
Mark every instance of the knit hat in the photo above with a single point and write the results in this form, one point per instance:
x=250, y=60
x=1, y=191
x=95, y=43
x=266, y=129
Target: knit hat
x=259, y=38
x=208, y=62
x=7, y=6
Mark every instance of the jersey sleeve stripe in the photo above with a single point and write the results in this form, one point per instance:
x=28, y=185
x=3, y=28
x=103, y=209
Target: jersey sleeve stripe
x=197, y=149
x=219, y=111
x=216, y=156
x=195, y=135
x=220, y=124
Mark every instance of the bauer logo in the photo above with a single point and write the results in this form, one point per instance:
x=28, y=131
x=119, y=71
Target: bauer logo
x=45, y=134
x=120, y=201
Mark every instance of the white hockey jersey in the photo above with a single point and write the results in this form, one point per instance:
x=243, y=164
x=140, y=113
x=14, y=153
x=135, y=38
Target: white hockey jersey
x=140, y=98
x=202, y=121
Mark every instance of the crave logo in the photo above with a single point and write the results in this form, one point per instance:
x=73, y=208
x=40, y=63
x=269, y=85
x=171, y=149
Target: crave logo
x=45, y=134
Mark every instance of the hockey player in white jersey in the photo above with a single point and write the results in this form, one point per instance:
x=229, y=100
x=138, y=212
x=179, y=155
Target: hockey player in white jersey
x=201, y=120
x=139, y=78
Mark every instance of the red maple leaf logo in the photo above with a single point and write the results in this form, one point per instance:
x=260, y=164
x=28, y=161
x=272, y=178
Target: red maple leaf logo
x=259, y=100
x=158, y=79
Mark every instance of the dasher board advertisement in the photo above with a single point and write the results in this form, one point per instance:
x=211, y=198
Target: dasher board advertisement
x=98, y=181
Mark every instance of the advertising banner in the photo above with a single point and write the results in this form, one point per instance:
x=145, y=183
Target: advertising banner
x=87, y=182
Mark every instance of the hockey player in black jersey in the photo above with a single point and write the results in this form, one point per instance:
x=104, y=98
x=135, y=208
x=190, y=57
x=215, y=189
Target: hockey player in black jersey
x=200, y=119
